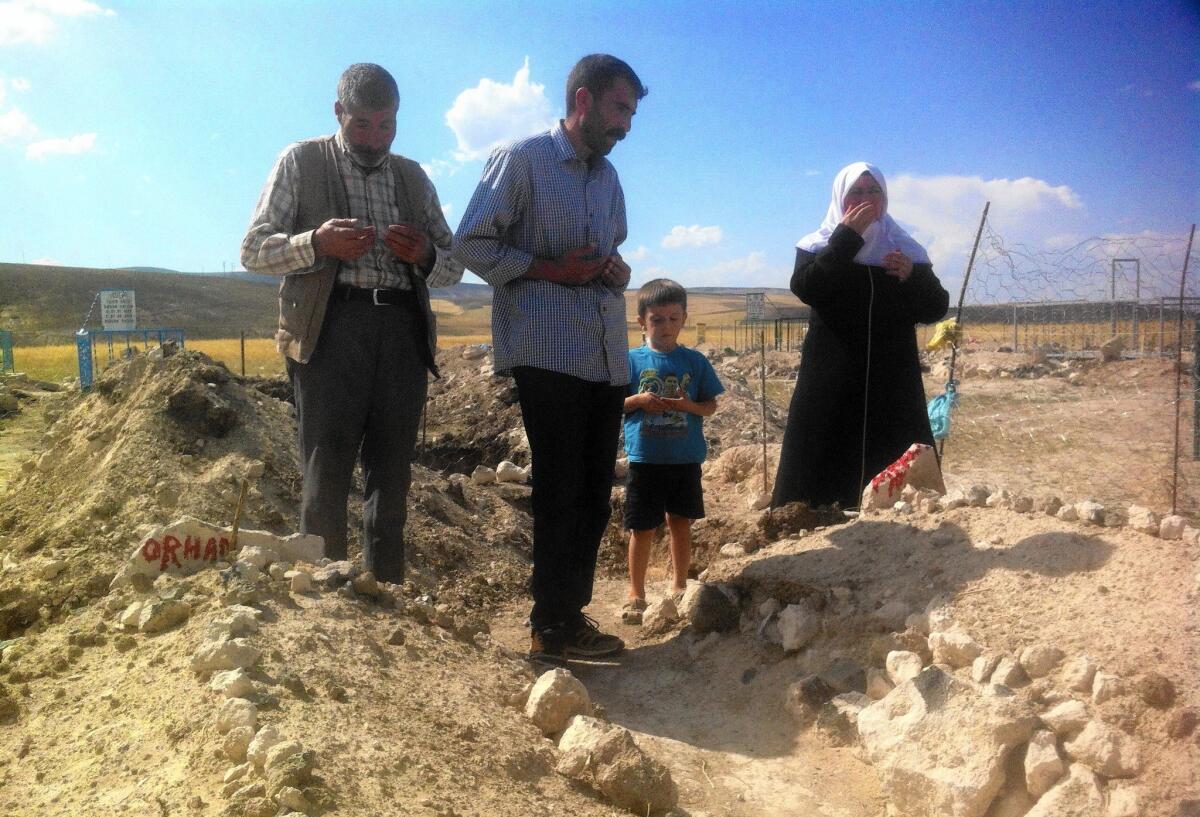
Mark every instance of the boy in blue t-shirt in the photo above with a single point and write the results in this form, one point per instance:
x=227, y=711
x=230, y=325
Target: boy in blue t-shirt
x=672, y=389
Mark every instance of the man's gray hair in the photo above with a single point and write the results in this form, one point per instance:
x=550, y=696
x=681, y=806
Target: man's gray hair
x=366, y=86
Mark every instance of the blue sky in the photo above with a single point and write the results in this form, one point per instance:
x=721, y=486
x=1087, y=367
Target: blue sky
x=140, y=133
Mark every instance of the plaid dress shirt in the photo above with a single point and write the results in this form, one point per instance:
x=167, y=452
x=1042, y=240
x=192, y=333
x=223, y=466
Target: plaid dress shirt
x=538, y=200
x=271, y=249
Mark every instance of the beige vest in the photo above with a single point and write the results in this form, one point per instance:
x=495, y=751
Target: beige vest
x=304, y=294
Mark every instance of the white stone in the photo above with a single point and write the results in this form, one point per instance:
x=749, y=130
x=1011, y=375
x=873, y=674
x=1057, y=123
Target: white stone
x=1067, y=513
x=1090, y=512
x=1043, y=766
x=129, y=618
x=954, y=648
x=293, y=799
x=226, y=654
x=578, y=741
x=510, y=472
x=983, y=667
x=474, y=352
x=731, y=550
x=236, y=712
x=556, y=697
x=1078, y=795
x=1144, y=520
x=917, y=467
x=659, y=615
x=248, y=571
x=1106, y=686
x=1001, y=498
x=237, y=740
x=1009, y=673
x=156, y=616
x=235, y=620
x=276, y=572
x=1040, y=660
x=1022, y=504
x=1067, y=718
x=301, y=581
x=798, y=626
x=238, y=772
x=758, y=501
x=233, y=683
x=1105, y=750
x=903, y=666
x=977, y=495
x=1172, y=527
x=1080, y=673
x=296, y=547
x=939, y=615
x=260, y=557
x=280, y=753
x=263, y=742
x=690, y=595
x=940, y=747
x=482, y=475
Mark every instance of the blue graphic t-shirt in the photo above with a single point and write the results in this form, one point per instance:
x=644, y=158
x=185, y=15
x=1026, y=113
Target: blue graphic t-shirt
x=672, y=437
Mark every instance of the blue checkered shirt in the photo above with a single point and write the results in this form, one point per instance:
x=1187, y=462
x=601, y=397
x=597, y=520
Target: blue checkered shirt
x=538, y=200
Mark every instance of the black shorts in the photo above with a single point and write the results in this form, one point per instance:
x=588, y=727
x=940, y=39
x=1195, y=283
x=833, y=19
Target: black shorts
x=652, y=490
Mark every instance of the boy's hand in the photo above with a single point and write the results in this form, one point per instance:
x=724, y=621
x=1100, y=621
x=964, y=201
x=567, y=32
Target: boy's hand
x=648, y=402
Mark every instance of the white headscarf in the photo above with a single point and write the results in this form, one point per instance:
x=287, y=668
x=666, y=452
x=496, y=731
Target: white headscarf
x=881, y=237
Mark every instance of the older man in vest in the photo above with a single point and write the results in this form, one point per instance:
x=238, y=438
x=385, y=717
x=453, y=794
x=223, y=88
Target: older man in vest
x=358, y=236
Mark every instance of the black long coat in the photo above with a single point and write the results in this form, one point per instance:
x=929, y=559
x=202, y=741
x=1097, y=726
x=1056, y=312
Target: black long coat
x=841, y=389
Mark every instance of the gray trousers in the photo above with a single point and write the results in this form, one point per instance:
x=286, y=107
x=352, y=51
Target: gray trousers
x=361, y=394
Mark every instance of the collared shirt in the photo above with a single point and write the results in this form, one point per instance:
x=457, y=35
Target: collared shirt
x=537, y=199
x=270, y=247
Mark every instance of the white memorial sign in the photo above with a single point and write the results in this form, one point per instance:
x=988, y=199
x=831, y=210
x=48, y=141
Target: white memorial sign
x=755, y=307
x=117, y=309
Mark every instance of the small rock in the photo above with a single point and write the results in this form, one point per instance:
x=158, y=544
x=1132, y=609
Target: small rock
x=365, y=584
x=1172, y=527
x=878, y=683
x=1122, y=801
x=397, y=638
x=713, y=611
x=1182, y=723
x=798, y=626
x=732, y=550
x=237, y=740
x=805, y=697
x=301, y=581
x=1144, y=520
x=1090, y=512
x=482, y=475
x=234, y=683
x=260, y=557
x=265, y=740
x=1009, y=673
x=1105, y=750
x=659, y=616
x=1067, y=718
x=556, y=697
x=892, y=614
x=508, y=471
x=1067, y=513
x=233, y=653
x=293, y=799
x=759, y=501
x=234, y=713
x=983, y=667
x=1106, y=686
x=1078, y=795
x=954, y=648
x=1080, y=673
x=1043, y=766
x=1040, y=660
x=903, y=666
x=280, y=753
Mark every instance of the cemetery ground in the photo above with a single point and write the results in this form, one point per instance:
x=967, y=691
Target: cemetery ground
x=1030, y=648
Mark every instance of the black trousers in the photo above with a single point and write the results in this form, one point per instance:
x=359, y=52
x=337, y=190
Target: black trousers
x=573, y=426
x=361, y=393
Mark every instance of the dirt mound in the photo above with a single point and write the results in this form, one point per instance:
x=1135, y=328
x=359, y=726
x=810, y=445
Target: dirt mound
x=158, y=438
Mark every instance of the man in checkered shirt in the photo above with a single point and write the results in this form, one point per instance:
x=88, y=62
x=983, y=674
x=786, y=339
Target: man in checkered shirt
x=543, y=229
x=358, y=236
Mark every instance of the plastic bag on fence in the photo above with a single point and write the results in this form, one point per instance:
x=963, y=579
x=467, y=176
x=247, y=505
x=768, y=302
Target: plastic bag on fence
x=945, y=334
x=939, y=411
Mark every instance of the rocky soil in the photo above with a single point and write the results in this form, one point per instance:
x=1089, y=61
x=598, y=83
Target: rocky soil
x=923, y=660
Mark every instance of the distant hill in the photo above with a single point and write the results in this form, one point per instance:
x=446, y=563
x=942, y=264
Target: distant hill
x=46, y=304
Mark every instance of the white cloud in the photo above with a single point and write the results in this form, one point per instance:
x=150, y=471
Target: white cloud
x=46, y=262
x=14, y=125
x=694, y=236
x=20, y=84
x=812, y=173
x=942, y=212
x=440, y=168
x=447, y=209
x=74, y=145
x=493, y=113
x=751, y=270
x=34, y=21
x=636, y=255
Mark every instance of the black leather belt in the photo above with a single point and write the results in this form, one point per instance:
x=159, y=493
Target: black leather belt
x=378, y=297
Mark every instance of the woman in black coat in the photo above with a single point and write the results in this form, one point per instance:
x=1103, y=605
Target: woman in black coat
x=859, y=402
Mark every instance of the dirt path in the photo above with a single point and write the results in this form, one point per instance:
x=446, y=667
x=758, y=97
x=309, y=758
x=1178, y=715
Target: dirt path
x=717, y=721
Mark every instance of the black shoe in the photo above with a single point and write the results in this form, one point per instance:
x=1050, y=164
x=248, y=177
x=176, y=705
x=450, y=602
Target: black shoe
x=546, y=645
x=586, y=641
